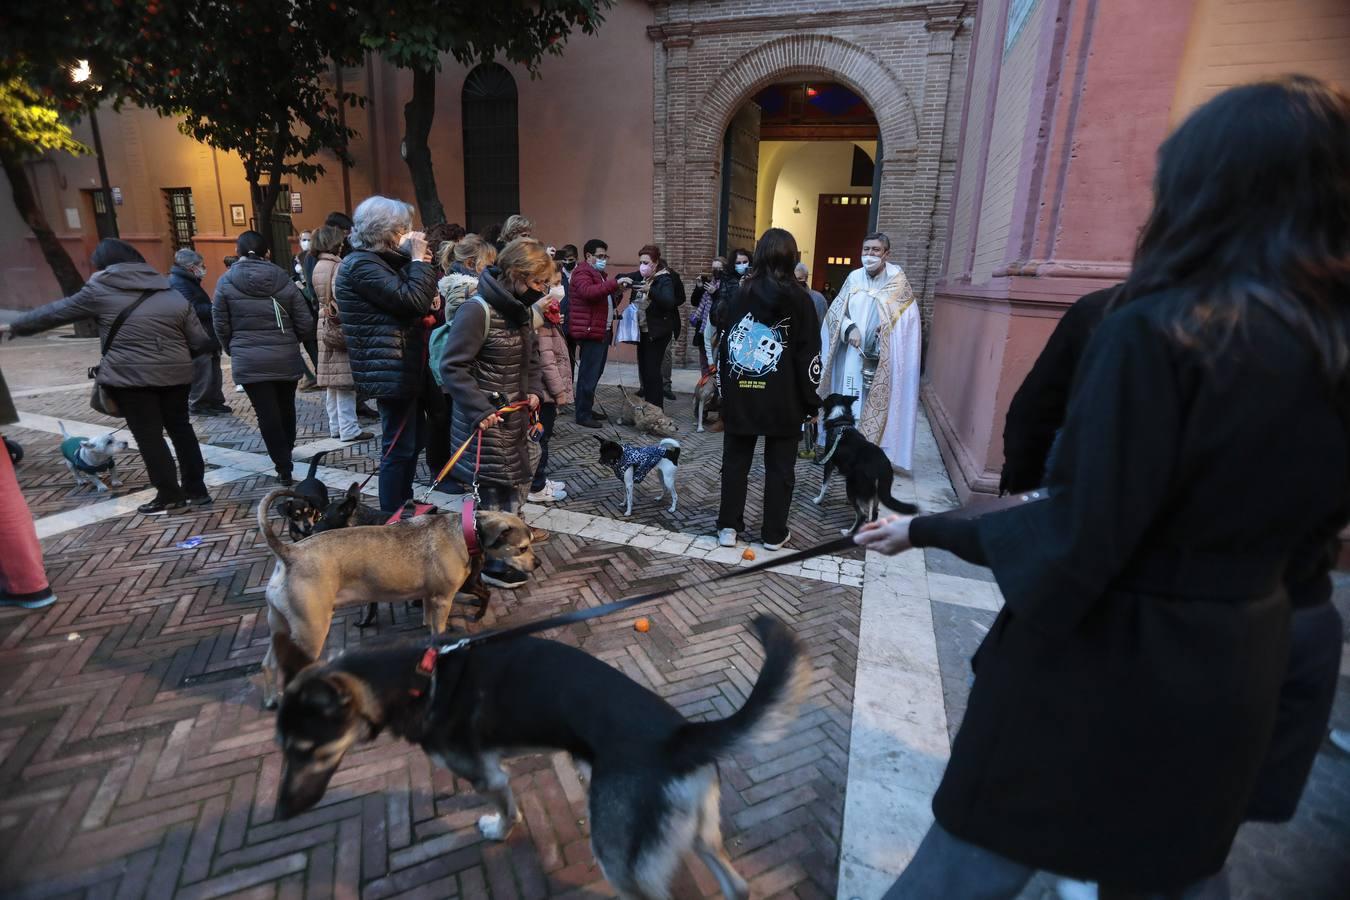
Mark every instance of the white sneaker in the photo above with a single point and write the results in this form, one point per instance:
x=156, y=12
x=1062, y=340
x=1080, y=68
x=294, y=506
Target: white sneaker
x=780, y=545
x=547, y=495
x=555, y=485
x=238, y=388
x=726, y=537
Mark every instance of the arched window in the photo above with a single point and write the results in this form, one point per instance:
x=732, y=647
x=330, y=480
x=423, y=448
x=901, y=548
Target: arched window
x=491, y=147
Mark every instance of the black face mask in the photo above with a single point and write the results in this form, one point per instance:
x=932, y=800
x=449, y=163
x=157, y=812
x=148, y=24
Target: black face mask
x=529, y=296
x=569, y=264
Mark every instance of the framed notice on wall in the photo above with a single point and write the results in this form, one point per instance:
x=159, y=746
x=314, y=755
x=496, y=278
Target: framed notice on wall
x=296, y=206
x=237, y=214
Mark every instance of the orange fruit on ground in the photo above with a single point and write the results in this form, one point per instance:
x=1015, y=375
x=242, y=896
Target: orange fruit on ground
x=642, y=625
x=748, y=554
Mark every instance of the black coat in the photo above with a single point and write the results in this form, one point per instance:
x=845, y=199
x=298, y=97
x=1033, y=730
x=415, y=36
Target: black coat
x=1037, y=409
x=382, y=299
x=262, y=321
x=190, y=286
x=768, y=360
x=1126, y=695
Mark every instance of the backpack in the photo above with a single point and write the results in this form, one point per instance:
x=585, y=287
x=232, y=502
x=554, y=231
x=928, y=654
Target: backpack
x=439, y=343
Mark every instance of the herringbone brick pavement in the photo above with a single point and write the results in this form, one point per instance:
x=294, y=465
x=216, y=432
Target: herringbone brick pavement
x=135, y=760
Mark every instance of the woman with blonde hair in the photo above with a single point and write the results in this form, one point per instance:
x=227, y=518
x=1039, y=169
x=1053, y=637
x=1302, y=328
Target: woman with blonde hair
x=492, y=362
x=515, y=228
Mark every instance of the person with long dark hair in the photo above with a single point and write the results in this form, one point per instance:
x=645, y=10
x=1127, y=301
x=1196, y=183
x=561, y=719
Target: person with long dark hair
x=767, y=368
x=658, y=294
x=1126, y=696
x=146, y=364
x=262, y=321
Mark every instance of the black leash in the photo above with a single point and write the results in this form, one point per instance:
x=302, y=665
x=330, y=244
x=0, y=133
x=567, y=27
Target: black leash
x=595, y=612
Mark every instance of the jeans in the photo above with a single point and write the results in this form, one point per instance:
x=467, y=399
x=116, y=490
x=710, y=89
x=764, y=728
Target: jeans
x=398, y=465
x=150, y=412
x=592, y=356
x=21, y=570
x=780, y=477
x=548, y=414
x=274, y=403
x=340, y=404
x=206, y=390
x=651, y=353
x=946, y=866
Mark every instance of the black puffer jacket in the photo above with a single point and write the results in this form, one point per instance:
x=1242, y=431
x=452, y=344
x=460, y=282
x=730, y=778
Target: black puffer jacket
x=190, y=286
x=156, y=343
x=382, y=299
x=261, y=320
x=504, y=363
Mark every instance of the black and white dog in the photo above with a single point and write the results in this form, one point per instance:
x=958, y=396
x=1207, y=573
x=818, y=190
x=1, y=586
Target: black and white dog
x=866, y=469
x=92, y=460
x=631, y=464
x=654, y=790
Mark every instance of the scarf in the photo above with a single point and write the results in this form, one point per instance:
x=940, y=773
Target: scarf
x=499, y=298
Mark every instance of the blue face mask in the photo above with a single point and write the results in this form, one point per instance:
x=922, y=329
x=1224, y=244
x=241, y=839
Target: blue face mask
x=742, y=268
x=600, y=264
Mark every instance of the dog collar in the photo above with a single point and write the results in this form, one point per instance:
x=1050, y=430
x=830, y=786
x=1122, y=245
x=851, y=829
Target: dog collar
x=426, y=668
x=830, y=454
x=70, y=449
x=468, y=518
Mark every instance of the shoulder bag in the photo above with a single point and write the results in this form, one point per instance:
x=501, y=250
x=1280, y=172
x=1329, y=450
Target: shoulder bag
x=101, y=399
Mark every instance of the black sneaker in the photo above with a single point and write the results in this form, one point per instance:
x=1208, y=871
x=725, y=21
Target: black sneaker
x=205, y=411
x=599, y=417
x=34, y=600
x=509, y=579
x=196, y=499
x=285, y=480
x=669, y=394
x=158, y=507
x=590, y=423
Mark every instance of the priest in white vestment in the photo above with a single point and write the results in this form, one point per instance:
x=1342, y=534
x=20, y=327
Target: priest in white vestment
x=870, y=344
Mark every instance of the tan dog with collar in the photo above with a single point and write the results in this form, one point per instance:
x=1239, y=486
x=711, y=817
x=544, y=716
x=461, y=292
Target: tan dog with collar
x=423, y=558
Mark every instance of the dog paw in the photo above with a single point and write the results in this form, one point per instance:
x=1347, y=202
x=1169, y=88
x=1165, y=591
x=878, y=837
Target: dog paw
x=494, y=826
x=817, y=500
x=270, y=702
x=845, y=531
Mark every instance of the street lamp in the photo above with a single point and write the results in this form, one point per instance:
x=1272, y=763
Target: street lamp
x=81, y=73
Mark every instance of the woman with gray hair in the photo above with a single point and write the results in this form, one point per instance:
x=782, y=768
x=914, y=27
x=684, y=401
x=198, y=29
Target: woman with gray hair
x=205, y=397
x=385, y=291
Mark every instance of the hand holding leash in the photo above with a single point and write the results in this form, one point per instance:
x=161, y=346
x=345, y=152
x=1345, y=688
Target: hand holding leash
x=889, y=535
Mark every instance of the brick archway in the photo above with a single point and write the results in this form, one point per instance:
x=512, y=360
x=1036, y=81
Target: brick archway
x=805, y=54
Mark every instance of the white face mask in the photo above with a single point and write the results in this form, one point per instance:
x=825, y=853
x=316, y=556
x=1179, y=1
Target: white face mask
x=871, y=263
x=556, y=292
x=304, y=245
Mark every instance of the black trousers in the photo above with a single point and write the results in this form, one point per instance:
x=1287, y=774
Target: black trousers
x=437, y=406
x=651, y=353
x=274, y=402
x=150, y=412
x=780, y=477
x=548, y=415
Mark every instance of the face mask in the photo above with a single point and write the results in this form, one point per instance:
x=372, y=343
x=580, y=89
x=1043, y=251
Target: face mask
x=304, y=245
x=201, y=272
x=569, y=265
x=717, y=272
x=871, y=263
x=600, y=264
x=646, y=269
x=742, y=268
x=556, y=293
x=529, y=296
x=405, y=247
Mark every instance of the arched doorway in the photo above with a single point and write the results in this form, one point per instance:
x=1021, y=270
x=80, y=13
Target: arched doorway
x=801, y=155
x=491, y=146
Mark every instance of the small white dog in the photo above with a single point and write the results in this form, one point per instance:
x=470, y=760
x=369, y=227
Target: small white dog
x=632, y=464
x=91, y=460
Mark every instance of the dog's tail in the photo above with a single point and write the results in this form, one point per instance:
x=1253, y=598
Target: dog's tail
x=280, y=549
x=314, y=463
x=672, y=449
x=884, y=495
x=772, y=703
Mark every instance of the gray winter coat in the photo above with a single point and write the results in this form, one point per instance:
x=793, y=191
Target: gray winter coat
x=261, y=319
x=505, y=363
x=154, y=347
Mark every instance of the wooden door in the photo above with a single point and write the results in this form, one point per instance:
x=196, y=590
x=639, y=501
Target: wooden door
x=740, y=181
x=841, y=225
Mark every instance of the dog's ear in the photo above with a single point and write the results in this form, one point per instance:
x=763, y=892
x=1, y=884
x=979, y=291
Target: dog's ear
x=494, y=528
x=290, y=658
x=354, y=490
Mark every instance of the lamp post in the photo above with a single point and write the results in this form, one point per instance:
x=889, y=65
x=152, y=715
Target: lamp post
x=80, y=74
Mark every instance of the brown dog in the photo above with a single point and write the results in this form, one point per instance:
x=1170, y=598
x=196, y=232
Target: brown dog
x=420, y=558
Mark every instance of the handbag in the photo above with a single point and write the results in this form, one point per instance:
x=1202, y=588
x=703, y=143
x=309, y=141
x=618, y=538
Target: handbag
x=101, y=400
x=333, y=338
x=628, y=331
